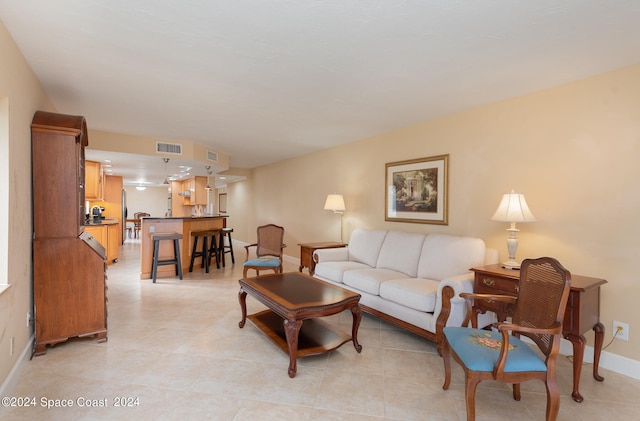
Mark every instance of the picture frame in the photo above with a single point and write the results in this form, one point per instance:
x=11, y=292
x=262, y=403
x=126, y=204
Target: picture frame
x=222, y=203
x=417, y=190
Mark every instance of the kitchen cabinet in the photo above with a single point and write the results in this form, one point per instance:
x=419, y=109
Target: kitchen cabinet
x=113, y=242
x=188, y=192
x=69, y=271
x=108, y=235
x=94, y=181
x=113, y=201
x=99, y=232
x=194, y=191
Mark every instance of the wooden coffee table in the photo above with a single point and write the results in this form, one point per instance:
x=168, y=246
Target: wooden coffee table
x=294, y=298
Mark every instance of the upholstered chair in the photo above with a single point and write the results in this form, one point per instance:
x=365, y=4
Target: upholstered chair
x=499, y=354
x=269, y=248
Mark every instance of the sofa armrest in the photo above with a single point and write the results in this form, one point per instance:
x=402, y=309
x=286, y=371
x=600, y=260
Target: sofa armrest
x=450, y=308
x=459, y=284
x=338, y=254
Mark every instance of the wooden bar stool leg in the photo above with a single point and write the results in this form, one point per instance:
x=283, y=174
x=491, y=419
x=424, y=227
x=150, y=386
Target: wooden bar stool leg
x=194, y=249
x=205, y=254
x=233, y=259
x=216, y=250
x=176, y=253
x=154, y=265
x=221, y=252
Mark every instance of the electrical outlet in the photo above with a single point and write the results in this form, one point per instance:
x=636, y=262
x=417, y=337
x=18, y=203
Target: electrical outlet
x=28, y=319
x=622, y=330
x=152, y=229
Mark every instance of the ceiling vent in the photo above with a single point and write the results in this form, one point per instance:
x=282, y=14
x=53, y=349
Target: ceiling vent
x=212, y=156
x=172, y=148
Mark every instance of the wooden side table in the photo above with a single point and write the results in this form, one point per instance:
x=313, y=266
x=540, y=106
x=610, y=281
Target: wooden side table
x=582, y=312
x=306, y=254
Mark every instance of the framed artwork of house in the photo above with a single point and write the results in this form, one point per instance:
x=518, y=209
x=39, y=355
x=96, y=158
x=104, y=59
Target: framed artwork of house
x=416, y=190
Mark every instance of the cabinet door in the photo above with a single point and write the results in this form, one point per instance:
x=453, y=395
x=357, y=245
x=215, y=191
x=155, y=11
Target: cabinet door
x=189, y=191
x=200, y=191
x=113, y=242
x=93, y=181
x=99, y=232
x=58, y=209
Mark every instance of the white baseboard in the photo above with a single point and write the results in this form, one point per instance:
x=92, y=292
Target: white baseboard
x=614, y=362
x=14, y=374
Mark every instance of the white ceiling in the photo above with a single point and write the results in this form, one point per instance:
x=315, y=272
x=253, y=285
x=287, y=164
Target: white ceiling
x=264, y=81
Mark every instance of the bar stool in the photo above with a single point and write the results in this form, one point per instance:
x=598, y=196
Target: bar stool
x=226, y=249
x=156, y=238
x=207, y=251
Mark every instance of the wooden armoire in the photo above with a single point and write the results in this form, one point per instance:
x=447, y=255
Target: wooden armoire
x=69, y=266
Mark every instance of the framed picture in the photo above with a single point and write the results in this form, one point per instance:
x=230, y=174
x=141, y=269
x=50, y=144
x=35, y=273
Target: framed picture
x=416, y=190
x=222, y=203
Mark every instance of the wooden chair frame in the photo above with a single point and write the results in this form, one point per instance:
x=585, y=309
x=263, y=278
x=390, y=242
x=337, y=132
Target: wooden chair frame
x=547, y=338
x=269, y=243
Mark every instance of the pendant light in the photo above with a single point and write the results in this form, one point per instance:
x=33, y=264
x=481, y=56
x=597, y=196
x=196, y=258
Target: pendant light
x=208, y=187
x=166, y=179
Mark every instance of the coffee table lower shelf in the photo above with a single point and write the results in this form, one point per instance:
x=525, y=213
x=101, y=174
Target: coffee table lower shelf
x=315, y=336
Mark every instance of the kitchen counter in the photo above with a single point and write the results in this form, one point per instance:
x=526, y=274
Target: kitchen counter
x=183, y=225
x=105, y=221
x=189, y=218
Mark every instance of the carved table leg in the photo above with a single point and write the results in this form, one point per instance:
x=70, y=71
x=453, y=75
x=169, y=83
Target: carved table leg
x=242, y=298
x=578, y=343
x=597, y=349
x=292, y=329
x=357, y=316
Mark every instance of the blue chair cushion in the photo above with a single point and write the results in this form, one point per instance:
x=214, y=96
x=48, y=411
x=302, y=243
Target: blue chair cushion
x=479, y=350
x=263, y=262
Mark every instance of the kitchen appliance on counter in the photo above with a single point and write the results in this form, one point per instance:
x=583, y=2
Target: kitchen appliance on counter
x=96, y=213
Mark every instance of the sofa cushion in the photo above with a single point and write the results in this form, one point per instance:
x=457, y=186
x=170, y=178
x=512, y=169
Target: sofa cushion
x=364, y=245
x=448, y=255
x=334, y=271
x=416, y=293
x=369, y=280
x=400, y=252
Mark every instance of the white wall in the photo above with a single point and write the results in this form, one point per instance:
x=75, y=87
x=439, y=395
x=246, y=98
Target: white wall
x=152, y=200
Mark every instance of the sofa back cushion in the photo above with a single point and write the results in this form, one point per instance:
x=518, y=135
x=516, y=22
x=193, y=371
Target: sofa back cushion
x=448, y=255
x=400, y=252
x=364, y=245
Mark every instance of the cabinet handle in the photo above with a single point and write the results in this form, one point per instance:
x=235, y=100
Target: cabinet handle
x=488, y=282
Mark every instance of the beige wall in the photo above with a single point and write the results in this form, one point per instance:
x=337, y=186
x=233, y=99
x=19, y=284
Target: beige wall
x=572, y=150
x=25, y=96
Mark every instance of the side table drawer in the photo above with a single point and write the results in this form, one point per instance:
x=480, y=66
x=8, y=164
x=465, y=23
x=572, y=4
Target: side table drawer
x=487, y=284
x=496, y=285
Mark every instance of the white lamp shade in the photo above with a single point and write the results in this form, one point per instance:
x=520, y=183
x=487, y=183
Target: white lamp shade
x=335, y=202
x=513, y=208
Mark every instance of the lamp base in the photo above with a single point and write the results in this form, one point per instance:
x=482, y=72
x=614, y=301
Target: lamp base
x=511, y=264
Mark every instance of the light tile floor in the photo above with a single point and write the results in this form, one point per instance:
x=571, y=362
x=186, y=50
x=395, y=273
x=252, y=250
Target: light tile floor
x=175, y=352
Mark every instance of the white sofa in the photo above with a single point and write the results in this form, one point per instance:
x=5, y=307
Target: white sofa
x=408, y=279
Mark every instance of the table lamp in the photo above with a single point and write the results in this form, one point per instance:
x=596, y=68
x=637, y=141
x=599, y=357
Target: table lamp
x=513, y=208
x=335, y=203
